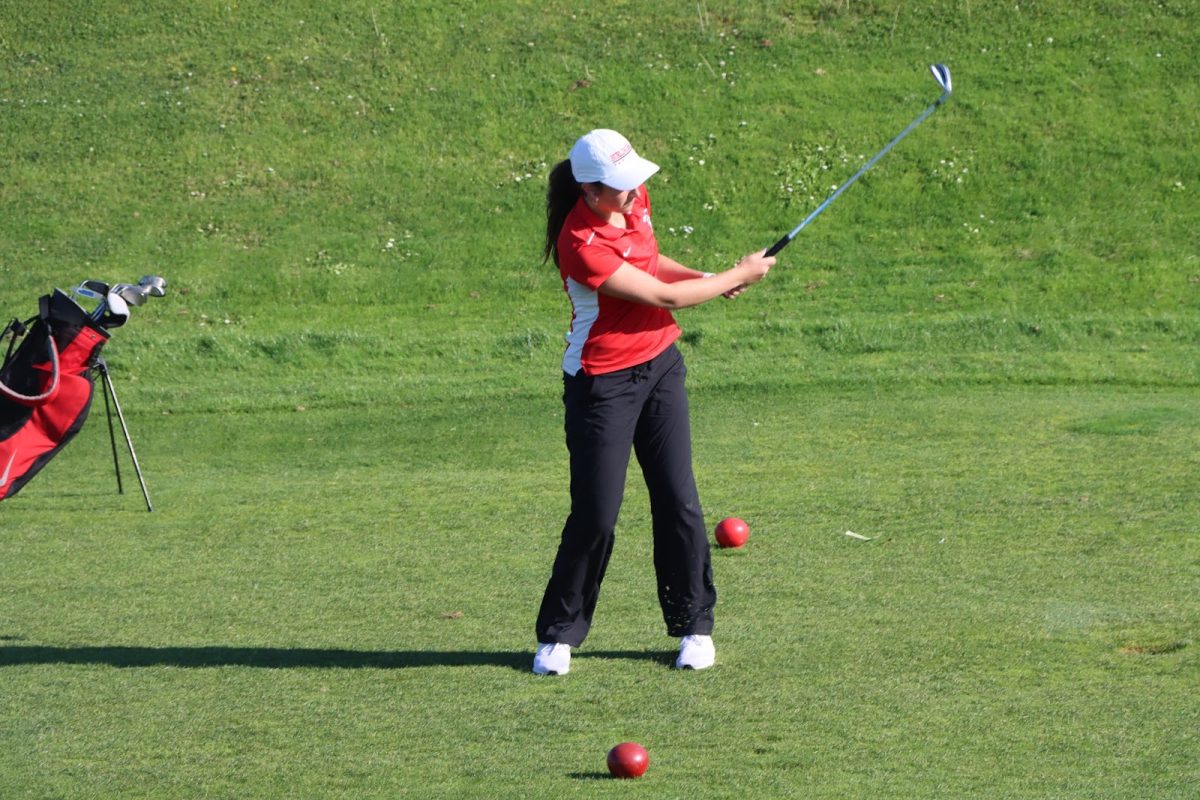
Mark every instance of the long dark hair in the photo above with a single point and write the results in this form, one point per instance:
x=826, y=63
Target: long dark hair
x=561, y=196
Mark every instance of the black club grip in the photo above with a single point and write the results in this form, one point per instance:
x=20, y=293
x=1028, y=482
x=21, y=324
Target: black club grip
x=775, y=248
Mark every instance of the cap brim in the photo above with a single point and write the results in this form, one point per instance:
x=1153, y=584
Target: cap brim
x=633, y=173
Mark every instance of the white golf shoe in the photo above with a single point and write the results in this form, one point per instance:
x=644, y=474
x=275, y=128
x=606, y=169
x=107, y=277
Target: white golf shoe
x=552, y=659
x=696, y=652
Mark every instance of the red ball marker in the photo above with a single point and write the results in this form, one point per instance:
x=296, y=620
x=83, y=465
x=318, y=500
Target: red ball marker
x=732, y=532
x=628, y=760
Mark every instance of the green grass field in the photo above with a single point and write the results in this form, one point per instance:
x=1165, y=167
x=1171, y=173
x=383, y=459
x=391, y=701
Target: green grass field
x=983, y=357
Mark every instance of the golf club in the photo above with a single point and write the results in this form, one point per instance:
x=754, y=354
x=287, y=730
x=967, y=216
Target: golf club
x=113, y=310
x=91, y=290
x=941, y=73
x=155, y=286
x=133, y=295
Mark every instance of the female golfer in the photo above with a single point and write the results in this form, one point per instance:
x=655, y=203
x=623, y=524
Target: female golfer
x=623, y=389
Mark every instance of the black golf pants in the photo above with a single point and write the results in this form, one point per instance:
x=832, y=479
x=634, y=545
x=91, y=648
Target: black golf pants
x=645, y=409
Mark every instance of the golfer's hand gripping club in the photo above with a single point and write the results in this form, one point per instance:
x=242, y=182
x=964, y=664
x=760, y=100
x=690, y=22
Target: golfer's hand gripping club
x=753, y=268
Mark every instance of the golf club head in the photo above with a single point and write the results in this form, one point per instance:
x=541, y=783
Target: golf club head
x=132, y=295
x=116, y=312
x=155, y=286
x=91, y=290
x=941, y=74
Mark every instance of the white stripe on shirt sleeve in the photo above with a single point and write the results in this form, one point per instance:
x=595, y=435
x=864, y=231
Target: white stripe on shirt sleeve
x=585, y=309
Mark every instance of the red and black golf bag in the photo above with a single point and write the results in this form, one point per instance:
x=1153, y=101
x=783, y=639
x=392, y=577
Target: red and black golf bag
x=46, y=386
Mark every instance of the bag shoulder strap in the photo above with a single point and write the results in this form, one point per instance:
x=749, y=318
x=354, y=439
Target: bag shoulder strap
x=24, y=399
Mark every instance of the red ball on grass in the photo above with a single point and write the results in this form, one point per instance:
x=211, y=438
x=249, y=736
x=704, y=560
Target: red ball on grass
x=628, y=760
x=732, y=532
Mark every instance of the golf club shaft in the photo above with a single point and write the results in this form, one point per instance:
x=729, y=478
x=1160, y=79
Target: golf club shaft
x=782, y=243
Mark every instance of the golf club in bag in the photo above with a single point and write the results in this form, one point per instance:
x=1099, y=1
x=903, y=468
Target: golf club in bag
x=941, y=73
x=47, y=381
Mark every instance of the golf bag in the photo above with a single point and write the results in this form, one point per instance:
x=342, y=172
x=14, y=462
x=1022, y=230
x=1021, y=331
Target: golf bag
x=46, y=386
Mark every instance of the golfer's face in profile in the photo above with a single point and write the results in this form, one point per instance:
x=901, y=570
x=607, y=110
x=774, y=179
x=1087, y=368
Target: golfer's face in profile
x=614, y=201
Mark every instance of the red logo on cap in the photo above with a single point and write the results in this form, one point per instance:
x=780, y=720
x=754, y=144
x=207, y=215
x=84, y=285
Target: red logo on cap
x=620, y=154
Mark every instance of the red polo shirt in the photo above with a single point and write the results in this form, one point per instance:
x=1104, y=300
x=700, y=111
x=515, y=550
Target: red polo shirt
x=607, y=333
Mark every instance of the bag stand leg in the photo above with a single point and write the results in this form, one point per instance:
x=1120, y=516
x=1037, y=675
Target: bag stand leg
x=109, y=389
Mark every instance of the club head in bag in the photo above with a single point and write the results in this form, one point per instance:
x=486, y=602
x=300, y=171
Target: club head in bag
x=95, y=291
x=941, y=74
x=155, y=285
x=115, y=312
x=133, y=295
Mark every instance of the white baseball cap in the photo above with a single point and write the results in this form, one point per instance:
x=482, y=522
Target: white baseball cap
x=604, y=156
